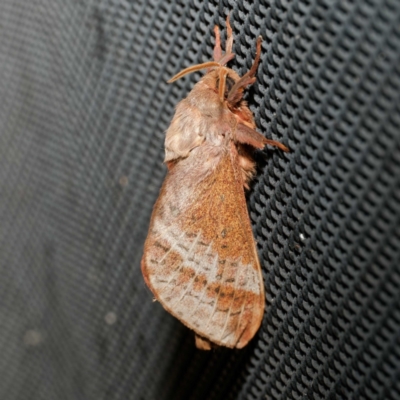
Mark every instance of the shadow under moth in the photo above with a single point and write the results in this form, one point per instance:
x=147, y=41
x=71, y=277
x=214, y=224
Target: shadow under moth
x=200, y=258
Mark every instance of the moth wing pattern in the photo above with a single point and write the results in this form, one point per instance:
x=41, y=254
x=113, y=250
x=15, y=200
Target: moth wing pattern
x=200, y=259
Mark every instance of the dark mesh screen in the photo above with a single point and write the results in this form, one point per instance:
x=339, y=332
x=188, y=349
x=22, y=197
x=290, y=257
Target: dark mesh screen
x=83, y=111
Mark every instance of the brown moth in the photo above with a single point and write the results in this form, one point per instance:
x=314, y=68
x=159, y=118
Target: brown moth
x=200, y=259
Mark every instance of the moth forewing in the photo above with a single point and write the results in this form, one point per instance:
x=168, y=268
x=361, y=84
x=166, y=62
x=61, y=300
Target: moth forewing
x=200, y=259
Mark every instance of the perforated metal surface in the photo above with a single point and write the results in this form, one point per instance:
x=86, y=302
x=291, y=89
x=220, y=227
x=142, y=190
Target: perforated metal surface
x=84, y=107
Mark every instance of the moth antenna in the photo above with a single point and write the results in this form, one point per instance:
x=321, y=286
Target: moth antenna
x=193, y=68
x=235, y=94
x=217, y=48
x=222, y=84
x=253, y=69
x=229, y=37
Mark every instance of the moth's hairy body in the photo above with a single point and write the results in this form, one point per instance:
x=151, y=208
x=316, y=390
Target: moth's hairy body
x=202, y=120
x=200, y=259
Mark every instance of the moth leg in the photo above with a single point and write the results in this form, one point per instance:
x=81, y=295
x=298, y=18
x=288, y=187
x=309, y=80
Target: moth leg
x=223, y=59
x=247, y=135
x=236, y=93
x=217, y=47
x=279, y=145
x=246, y=164
x=202, y=343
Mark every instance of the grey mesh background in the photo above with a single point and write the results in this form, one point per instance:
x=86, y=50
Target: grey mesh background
x=84, y=107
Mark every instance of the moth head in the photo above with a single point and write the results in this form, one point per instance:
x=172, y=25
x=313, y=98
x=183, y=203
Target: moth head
x=221, y=80
x=227, y=82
